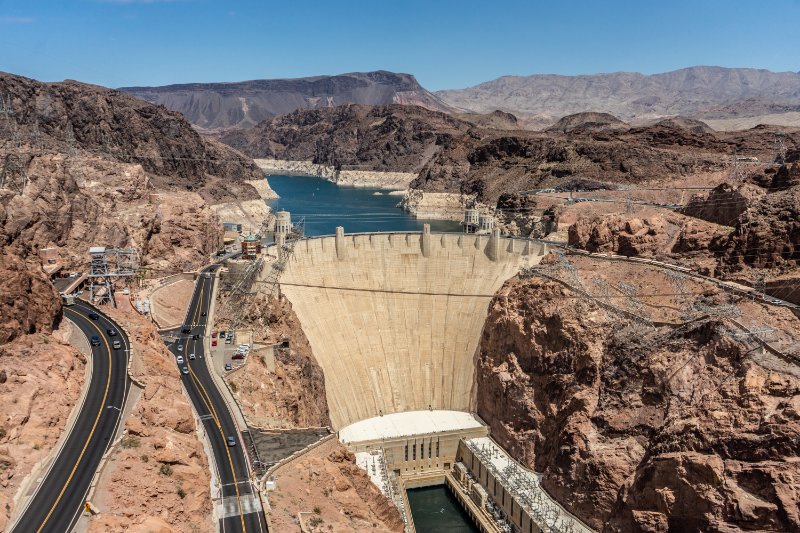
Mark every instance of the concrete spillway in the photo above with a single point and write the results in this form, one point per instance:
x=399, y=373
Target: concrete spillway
x=394, y=320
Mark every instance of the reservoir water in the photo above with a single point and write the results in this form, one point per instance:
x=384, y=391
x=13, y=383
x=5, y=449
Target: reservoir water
x=436, y=510
x=325, y=205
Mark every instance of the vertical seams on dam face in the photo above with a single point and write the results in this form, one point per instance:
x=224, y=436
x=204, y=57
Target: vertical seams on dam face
x=394, y=320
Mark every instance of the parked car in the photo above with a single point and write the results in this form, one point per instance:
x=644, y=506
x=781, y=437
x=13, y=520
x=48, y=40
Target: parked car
x=180, y=359
x=231, y=440
x=185, y=370
x=222, y=333
x=213, y=334
x=191, y=356
x=116, y=344
x=94, y=316
x=111, y=332
x=228, y=341
x=95, y=340
x=214, y=342
x=237, y=355
x=228, y=367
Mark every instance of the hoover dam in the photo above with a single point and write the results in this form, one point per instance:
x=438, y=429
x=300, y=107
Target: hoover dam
x=394, y=319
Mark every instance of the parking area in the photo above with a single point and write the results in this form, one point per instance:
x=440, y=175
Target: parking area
x=229, y=349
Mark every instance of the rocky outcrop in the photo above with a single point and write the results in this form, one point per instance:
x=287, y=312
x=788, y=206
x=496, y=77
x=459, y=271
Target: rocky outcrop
x=654, y=429
x=68, y=116
x=667, y=235
x=34, y=370
x=724, y=204
x=332, y=493
x=159, y=471
x=391, y=138
x=28, y=301
x=293, y=393
x=767, y=235
x=587, y=121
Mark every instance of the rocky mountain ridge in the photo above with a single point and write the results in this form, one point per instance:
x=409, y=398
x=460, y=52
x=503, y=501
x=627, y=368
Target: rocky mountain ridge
x=466, y=157
x=213, y=106
x=701, y=91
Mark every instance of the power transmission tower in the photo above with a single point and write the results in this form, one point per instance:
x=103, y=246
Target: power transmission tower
x=736, y=173
x=780, y=148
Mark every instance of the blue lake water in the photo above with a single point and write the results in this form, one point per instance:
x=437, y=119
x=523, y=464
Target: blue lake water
x=436, y=510
x=325, y=205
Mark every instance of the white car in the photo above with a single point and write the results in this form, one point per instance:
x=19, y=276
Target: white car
x=180, y=359
x=180, y=347
x=191, y=356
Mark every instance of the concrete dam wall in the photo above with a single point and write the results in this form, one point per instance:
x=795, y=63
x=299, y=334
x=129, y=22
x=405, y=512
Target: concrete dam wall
x=394, y=320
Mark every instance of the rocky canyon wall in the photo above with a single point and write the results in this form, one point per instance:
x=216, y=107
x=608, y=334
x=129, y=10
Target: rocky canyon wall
x=654, y=429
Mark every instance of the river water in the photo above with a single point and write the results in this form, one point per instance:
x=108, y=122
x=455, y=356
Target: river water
x=325, y=205
x=436, y=510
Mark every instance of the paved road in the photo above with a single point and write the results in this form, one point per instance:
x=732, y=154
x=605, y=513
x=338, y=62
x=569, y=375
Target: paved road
x=241, y=508
x=59, y=499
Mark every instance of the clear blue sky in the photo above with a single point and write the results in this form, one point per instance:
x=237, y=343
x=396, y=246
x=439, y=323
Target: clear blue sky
x=446, y=44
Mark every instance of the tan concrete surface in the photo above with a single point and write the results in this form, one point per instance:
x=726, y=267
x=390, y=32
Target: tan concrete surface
x=394, y=320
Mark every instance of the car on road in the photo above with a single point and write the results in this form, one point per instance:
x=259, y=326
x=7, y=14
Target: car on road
x=116, y=344
x=192, y=356
x=94, y=316
x=185, y=370
x=214, y=342
x=180, y=347
x=202, y=313
x=186, y=329
x=231, y=440
x=95, y=340
x=112, y=332
x=180, y=359
x=196, y=336
x=228, y=367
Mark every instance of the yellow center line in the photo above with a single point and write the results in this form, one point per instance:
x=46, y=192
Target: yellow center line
x=94, y=426
x=210, y=406
x=207, y=400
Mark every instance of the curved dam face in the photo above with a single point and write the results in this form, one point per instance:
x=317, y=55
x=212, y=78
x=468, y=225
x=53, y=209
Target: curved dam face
x=394, y=320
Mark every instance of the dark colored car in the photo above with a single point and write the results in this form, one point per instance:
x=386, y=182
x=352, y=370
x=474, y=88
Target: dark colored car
x=112, y=332
x=95, y=340
x=94, y=316
x=222, y=333
x=186, y=329
x=237, y=356
x=196, y=336
x=202, y=313
x=231, y=440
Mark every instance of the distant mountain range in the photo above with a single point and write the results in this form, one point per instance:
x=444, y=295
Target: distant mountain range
x=699, y=92
x=216, y=106
x=726, y=98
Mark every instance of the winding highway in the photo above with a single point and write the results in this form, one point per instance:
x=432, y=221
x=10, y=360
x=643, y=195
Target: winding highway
x=59, y=499
x=240, y=507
